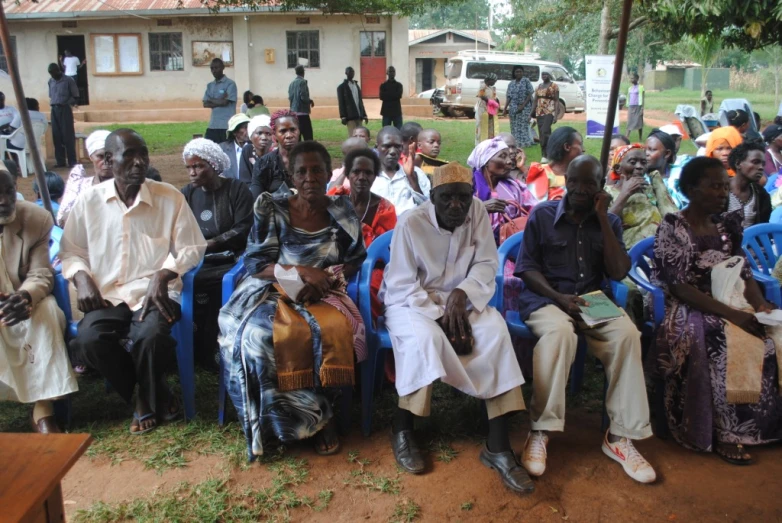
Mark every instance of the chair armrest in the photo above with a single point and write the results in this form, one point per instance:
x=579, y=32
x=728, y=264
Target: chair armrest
x=770, y=287
x=231, y=279
x=658, y=297
x=619, y=291
x=352, y=290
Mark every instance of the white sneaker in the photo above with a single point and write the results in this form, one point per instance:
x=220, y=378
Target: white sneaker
x=625, y=453
x=534, y=456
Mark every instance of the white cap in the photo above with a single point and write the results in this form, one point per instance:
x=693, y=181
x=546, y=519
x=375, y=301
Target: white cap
x=671, y=129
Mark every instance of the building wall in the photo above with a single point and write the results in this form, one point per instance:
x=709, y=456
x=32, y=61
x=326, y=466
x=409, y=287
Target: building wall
x=440, y=53
x=36, y=43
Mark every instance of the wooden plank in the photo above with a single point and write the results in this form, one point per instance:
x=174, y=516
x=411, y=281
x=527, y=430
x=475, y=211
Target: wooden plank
x=32, y=467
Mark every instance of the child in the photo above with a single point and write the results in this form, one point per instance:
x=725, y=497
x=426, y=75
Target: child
x=56, y=187
x=410, y=132
x=429, y=141
x=363, y=133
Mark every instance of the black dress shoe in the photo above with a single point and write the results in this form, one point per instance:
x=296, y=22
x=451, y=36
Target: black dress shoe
x=511, y=472
x=47, y=425
x=406, y=451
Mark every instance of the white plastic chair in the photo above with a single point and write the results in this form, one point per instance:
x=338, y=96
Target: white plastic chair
x=24, y=161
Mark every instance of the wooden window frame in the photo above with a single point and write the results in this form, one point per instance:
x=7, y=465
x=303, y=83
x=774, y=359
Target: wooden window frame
x=116, y=37
x=4, y=55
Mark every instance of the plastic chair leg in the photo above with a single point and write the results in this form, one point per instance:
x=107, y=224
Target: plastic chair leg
x=221, y=394
x=346, y=410
x=367, y=390
x=577, y=369
x=183, y=332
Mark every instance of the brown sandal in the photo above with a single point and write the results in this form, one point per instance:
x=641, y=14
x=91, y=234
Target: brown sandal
x=733, y=453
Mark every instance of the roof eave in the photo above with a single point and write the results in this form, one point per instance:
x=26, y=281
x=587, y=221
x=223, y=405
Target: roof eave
x=86, y=15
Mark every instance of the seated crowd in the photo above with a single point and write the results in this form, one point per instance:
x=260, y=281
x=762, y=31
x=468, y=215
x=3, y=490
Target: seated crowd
x=289, y=339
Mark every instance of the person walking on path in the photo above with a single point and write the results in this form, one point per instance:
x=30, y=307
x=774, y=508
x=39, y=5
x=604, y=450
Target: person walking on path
x=519, y=101
x=546, y=100
x=63, y=95
x=635, y=108
x=351, y=104
x=391, y=96
x=220, y=97
x=301, y=104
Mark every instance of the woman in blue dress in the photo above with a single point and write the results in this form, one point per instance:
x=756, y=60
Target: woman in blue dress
x=283, y=363
x=519, y=101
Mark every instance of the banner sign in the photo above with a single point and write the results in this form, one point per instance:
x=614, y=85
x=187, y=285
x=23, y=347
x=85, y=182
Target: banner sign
x=599, y=69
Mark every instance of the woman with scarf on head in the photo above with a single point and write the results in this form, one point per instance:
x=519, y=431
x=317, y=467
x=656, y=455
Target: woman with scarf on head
x=722, y=141
x=223, y=208
x=486, y=109
x=772, y=135
x=261, y=142
x=79, y=179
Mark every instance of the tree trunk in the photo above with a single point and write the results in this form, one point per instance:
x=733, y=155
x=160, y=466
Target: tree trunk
x=704, y=75
x=605, y=28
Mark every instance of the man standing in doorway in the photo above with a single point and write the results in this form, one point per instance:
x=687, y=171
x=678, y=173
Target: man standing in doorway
x=351, y=105
x=301, y=104
x=391, y=96
x=71, y=64
x=63, y=95
x=220, y=97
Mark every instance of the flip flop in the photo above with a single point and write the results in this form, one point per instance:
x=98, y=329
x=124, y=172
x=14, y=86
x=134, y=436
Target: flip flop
x=140, y=420
x=723, y=453
x=171, y=416
x=319, y=439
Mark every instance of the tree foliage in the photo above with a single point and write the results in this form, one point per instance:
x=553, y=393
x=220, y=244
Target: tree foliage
x=397, y=7
x=746, y=24
x=456, y=15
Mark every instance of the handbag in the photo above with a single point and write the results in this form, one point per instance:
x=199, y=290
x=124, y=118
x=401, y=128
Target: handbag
x=513, y=225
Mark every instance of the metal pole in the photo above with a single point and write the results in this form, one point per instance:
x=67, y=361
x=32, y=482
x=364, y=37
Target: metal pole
x=621, y=46
x=29, y=134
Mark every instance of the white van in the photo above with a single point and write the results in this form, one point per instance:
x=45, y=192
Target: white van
x=465, y=72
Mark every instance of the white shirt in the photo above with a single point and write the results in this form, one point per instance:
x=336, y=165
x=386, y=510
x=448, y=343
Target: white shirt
x=19, y=140
x=71, y=65
x=397, y=190
x=121, y=248
x=7, y=115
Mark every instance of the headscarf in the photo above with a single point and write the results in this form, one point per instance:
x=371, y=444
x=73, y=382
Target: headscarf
x=771, y=133
x=721, y=135
x=96, y=141
x=490, y=76
x=262, y=120
x=619, y=154
x=208, y=151
x=479, y=157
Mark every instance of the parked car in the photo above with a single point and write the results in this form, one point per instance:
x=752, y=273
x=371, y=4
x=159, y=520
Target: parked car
x=465, y=71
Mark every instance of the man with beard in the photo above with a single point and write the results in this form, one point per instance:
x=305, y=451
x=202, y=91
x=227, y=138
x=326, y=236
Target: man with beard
x=570, y=246
x=403, y=185
x=437, y=288
x=34, y=365
x=126, y=244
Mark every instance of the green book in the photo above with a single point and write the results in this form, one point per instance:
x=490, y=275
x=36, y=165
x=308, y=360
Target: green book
x=600, y=309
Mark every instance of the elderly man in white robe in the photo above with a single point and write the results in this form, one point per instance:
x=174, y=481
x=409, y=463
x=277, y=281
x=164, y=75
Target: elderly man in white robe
x=436, y=289
x=34, y=364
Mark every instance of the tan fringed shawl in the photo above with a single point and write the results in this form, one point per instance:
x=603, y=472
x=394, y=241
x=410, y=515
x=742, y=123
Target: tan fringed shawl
x=293, y=346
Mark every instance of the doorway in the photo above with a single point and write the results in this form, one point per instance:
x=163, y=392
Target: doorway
x=424, y=74
x=75, y=44
x=373, y=62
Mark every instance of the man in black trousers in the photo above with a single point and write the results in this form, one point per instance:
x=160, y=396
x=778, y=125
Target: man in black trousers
x=351, y=103
x=63, y=94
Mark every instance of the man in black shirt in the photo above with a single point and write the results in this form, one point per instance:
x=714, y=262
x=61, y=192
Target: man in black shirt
x=391, y=95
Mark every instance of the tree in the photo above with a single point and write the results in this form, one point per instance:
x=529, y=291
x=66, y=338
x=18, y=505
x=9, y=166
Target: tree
x=772, y=57
x=398, y=7
x=747, y=24
x=458, y=15
x=704, y=49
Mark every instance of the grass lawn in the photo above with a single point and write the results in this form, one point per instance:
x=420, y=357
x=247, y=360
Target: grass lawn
x=458, y=137
x=762, y=103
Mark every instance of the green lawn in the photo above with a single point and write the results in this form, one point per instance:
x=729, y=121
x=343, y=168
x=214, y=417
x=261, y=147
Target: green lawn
x=458, y=137
x=762, y=103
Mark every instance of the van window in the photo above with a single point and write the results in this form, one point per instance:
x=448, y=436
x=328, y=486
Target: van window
x=453, y=70
x=479, y=71
x=560, y=75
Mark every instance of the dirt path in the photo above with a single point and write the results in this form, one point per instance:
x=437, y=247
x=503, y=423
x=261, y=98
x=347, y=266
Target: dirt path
x=581, y=485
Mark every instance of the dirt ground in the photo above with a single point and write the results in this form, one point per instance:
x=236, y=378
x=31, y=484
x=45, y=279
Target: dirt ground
x=581, y=484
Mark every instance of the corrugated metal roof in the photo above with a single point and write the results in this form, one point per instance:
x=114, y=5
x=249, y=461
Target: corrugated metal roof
x=73, y=8
x=414, y=35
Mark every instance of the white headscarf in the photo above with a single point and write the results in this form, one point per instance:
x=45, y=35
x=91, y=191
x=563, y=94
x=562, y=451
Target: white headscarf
x=262, y=120
x=208, y=151
x=485, y=151
x=96, y=141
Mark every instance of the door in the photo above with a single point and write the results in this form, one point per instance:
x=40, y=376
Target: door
x=373, y=62
x=75, y=44
x=427, y=74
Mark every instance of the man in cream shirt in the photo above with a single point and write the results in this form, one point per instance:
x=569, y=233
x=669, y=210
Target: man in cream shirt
x=126, y=244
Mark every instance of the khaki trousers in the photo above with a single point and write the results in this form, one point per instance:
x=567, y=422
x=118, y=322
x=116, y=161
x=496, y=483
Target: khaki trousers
x=617, y=344
x=351, y=125
x=420, y=402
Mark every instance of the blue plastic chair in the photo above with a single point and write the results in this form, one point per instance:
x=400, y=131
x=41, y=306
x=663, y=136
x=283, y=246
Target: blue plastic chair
x=230, y=280
x=54, y=243
x=762, y=244
x=776, y=215
x=640, y=274
x=182, y=332
x=508, y=251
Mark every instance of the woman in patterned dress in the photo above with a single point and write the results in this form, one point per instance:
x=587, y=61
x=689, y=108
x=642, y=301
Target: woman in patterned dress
x=519, y=103
x=321, y=238
x=691, y=350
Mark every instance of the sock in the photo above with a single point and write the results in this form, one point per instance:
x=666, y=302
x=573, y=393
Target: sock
x=403, y=420
x=43, y=409
x=498, y=440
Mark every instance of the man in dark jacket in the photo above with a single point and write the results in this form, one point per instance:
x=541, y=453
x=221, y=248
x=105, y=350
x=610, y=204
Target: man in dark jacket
x=391, y=95
x=351, y=105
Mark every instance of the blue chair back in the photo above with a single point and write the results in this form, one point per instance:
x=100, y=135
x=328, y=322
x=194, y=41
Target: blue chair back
x=379, y=253
x=762, y=243
x=509, y=250
x=640, y=274
x=776, y=215
x=54, y=243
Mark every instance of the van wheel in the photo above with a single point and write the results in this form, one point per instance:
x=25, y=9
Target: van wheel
x=561, y=110
x=470, y=113
x=446, y=112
